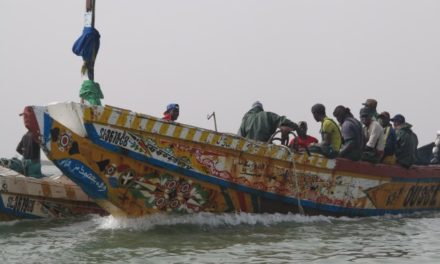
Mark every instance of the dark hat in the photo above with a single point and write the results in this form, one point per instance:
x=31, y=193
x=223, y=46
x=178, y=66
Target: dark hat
x=398, y=118
x=171, y=107
x=257, y=104
x=385, y=115
x=371, y=103
x=366, y=111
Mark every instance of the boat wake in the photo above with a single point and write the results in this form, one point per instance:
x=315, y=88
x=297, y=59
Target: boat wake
x=210, y=220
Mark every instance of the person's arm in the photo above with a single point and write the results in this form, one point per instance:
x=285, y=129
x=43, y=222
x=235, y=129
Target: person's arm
x=326, y=132
x=20, y=147
x=326, y=139
x=282, y=121
x=347, y=147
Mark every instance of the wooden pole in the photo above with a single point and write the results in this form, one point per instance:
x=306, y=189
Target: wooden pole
x=93, y=13
x=215, y=120
x=90, y=7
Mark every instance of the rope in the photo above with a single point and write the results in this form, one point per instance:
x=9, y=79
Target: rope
x=300, y=208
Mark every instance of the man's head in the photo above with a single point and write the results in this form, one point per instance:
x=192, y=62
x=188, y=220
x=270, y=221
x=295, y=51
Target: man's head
x=257, y=104
x=384, y=119
x=302, y=128
x=318, y=111
x=371, y=103
x=398, y=120
x=340, y=113
x=366, y=115
x=173, y=111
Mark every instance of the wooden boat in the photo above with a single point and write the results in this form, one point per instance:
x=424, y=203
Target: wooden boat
x=24, y=197
x=133, y=164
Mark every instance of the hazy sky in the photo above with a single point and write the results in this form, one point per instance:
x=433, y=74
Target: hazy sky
x=224, y=55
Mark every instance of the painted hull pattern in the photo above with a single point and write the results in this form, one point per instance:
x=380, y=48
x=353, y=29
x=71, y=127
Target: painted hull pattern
x=133, y=164
x=29, y=198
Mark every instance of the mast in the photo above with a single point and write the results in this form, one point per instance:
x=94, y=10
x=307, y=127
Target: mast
x=90, y=7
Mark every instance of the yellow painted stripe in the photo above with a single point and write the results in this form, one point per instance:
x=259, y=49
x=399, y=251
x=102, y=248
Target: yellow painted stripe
x=135, y=123
x=190, y=135
x=87, y=114
x=177, y=131
x=240, y=144
x=150, y=125
x=122, y=118
x=164, y=128
x=215, y=139
x=204, y=136
x=197, y=136
x=323, y=163
x=105, y=115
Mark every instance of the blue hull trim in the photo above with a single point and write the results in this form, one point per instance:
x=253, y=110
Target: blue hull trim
x=14, y=213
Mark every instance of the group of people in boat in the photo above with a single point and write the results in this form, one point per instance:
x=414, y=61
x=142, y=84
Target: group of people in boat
x=370, y=138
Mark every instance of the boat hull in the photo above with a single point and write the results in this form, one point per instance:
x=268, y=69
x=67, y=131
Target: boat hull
x=29, y=198
x=134, y=165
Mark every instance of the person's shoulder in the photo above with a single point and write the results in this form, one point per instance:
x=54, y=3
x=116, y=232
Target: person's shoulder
x=329, y=122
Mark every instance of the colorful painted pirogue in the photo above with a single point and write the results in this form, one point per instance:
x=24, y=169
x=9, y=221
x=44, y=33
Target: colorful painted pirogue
x=51, y=197
x=133, y=164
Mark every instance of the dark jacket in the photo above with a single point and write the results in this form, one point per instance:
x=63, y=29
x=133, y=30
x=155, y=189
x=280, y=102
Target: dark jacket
x=406, y=145
x=390, y=144
x=28, y=148
x=259, y=125
x=353, y=139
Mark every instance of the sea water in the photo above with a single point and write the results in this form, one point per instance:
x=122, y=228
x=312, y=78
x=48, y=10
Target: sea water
x=223, y=238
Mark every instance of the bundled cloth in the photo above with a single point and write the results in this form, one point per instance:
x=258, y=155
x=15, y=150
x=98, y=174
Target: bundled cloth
x=91, y=92
x=87, y=46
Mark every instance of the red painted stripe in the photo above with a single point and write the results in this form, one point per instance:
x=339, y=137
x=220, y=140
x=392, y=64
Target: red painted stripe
x=242, y=201
x=385, y=170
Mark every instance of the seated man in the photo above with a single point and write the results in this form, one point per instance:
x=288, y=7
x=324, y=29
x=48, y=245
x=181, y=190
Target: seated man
x=172, y=112
x=406, y=147
x=259, y=125
x=303, y=140
x=373, y=132
x=351, y=129
x=390, y=139
x=330, y=133
x=372, y=104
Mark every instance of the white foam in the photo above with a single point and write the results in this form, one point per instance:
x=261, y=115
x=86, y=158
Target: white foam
x=210, y=220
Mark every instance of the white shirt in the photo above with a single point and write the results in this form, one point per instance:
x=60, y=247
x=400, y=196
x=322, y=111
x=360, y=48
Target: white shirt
x=375, y=136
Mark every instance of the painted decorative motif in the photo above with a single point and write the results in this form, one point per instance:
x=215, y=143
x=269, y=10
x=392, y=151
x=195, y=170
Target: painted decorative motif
x=172, y=194
x=65, y=141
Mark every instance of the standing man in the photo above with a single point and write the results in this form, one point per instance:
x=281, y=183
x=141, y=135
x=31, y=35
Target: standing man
x=406, y=147
x=330, y=133
x=259, y=125
x=172, y=112
x=30, y=150
x=352, y=135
